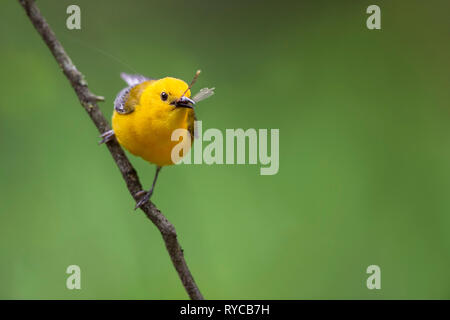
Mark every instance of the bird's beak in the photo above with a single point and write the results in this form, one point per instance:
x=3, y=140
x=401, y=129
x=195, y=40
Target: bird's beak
x=185, y=102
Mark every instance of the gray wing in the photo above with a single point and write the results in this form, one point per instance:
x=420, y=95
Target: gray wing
x=132, y=80
x=121, y=98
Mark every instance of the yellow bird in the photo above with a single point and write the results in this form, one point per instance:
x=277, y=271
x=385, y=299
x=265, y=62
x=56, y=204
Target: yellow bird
x=147, y=112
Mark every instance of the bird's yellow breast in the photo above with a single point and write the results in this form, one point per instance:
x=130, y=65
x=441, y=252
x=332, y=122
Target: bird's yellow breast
x=146, y=132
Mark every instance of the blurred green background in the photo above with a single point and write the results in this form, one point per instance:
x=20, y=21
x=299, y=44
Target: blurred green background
x=364, y=152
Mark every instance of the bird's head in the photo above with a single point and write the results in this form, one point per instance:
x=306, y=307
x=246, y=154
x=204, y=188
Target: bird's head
x=168, y=93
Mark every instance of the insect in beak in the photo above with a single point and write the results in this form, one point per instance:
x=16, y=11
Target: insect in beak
x=185, y=102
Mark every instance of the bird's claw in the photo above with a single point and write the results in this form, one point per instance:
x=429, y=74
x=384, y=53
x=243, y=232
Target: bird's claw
x=145, y=198
x=140, y=193
x=106, y=136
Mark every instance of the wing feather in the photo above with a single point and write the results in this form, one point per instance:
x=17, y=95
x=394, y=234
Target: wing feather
x=134, y=79
x=128, y=97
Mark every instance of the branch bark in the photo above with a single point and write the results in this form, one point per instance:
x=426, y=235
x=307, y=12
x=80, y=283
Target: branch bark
x=89, y=102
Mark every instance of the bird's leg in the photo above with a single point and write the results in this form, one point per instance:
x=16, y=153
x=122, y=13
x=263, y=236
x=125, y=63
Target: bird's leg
x=106, y=136
x=147, y=194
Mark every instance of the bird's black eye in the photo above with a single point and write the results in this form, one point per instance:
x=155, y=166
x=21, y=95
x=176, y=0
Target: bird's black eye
x=164, y=96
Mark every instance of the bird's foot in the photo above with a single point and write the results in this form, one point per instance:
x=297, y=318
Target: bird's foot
x=106, y=136
x=146, y=195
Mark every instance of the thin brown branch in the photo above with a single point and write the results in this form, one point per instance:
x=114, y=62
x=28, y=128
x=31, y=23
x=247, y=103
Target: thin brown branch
x=89, y=103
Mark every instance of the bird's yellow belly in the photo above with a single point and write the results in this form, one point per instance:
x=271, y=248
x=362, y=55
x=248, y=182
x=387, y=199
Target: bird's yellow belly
x=149, y=136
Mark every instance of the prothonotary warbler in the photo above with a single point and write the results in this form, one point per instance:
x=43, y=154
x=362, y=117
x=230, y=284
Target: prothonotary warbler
x=147, y=112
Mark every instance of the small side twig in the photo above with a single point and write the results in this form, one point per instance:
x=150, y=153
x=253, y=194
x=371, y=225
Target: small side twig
x=89, y=102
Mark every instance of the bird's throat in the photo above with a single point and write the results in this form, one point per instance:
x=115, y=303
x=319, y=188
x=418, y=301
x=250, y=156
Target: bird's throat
x=179, y=116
